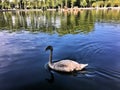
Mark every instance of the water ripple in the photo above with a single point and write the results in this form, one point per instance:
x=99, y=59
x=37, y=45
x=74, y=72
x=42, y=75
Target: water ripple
x=91, y=48
x=109, y=74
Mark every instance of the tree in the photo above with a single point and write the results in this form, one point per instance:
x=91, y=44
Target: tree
x=90, y=2
x=66, y=3
x=21, y=4
x=83, y=3
x=16, y=3
x=61, y=3
x=24, y=4
x=52, y=3
x=116, y=3
x=72, y=3
x=6, y=4
x=0, y=4
x=47, y=2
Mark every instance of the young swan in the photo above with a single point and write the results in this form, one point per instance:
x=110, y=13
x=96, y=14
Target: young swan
x=64, y=65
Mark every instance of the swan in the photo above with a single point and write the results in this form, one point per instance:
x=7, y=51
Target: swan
x=64, y=65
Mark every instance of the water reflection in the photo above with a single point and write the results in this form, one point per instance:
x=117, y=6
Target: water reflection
x=22, y=55
x=52, y=22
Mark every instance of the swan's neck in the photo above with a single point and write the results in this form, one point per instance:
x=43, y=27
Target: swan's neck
x=50, y=57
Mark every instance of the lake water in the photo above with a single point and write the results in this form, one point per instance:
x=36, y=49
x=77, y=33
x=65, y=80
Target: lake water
x=91, y=37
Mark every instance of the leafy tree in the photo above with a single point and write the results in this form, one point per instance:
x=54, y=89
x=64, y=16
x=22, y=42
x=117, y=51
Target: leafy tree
x=72, y=3
x=66, y=1
x=47, y=2
x=24, y=4
x=83, y=3
x=61, y=3
x=52, y=3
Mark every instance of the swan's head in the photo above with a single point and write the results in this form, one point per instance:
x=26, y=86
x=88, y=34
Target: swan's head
x=49, y=48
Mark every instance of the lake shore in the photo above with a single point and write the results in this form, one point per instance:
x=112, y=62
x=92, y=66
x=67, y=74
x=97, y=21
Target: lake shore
x=65, y=9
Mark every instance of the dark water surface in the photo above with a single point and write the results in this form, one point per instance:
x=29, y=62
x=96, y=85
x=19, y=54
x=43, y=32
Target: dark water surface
x=91, y=37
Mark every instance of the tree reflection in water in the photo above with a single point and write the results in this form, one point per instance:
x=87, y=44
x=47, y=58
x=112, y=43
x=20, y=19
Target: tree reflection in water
x=56, y=22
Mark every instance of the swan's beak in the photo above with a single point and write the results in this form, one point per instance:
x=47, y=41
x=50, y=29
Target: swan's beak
x=83, y=65
x=46, y=49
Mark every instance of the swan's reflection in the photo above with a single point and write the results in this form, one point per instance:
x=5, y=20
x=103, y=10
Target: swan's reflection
x=75, y=74
x=51, y=78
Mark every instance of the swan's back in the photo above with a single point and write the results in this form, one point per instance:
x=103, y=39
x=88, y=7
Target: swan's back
x=67, y=66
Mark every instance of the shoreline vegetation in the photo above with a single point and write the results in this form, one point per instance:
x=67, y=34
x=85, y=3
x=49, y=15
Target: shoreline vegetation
x=64, y=9
x=58, y=5
x=61, y=22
